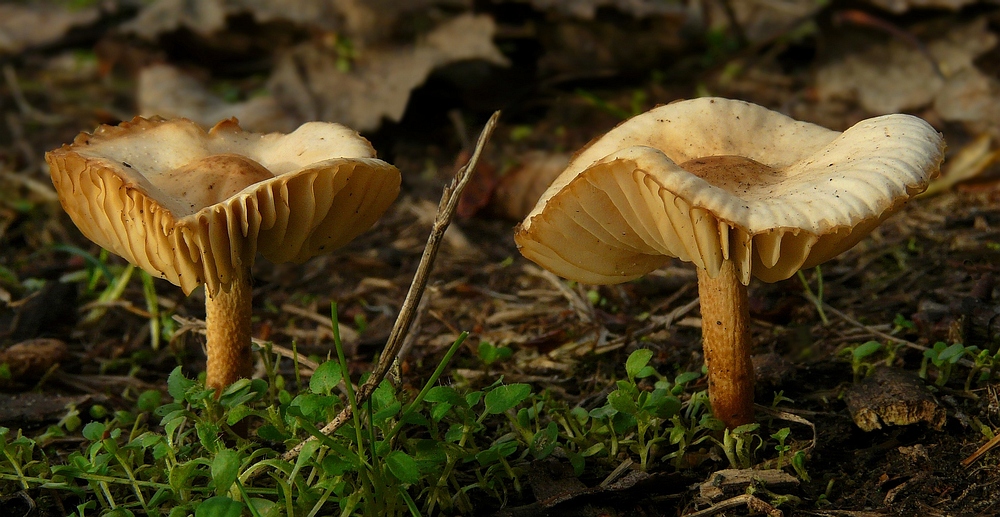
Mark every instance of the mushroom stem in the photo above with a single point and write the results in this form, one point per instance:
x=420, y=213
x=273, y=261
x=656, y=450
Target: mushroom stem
x=726, y=343
x=227, y=326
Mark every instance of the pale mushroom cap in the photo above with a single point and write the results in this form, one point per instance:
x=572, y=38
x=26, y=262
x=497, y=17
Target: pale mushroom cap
x=195, y=206
x=712, y=179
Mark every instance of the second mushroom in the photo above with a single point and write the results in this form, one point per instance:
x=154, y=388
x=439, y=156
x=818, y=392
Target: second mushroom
x=194, y=207
x=736, y=189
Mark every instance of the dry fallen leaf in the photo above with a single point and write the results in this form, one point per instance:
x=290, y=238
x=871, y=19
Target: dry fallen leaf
x=31, y=359
x=972, y=97
x=896, y=76
x=312, y=84
x=479, y=190
x=361, y=20
x=38, y=23
x=166, y=91
x=519, y=189
x=967, y=163
x=760, y=21
x=901, y=6
x=587, y=9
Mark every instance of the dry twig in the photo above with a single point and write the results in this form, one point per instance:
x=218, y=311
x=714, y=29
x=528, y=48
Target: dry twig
x=981, y=451
x=446, y=210
x=883, y=335
x=791, y=417
x=753, y=503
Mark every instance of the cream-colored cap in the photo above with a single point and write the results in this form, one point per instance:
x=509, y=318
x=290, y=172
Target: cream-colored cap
x=193, y=206
x=710, y=179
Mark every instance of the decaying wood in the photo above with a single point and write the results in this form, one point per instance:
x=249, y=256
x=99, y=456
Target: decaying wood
x=893, y=397
x=753, y=503
x=727, y=483
x=33, y=358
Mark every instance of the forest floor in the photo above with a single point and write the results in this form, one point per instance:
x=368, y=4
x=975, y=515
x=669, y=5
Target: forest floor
x=561, y=77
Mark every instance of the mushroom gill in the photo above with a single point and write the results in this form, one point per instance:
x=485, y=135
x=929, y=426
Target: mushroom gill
x=734, y=188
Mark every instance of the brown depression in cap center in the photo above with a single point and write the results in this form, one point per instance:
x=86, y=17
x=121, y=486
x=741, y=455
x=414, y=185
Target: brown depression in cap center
x=742, y=177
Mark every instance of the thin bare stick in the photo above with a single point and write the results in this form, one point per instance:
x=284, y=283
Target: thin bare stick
x=883, y=335
x=981, y=451
x=791, y=417
x=291, y=354
x=29, y=111
x=445, y=213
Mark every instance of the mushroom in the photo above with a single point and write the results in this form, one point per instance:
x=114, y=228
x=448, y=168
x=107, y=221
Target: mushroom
x=736, y=189
x=195, y=207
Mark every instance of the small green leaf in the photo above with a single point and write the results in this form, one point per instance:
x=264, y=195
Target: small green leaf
x=403, y=467
x=491, y=354
x=180, y=474
x=603, y=412
x=429, y=454
x=239, y=392
x=225, y=468
x=270, y=432
x=440, y=410
x=265, y=508
x=578, y=462
x=208, y=434
x=506, y=397
x=646, y=371
x=445, y=394
x=622, y=422
x=160, y=497
x=637, y=361
x=177, y=384
x=238, y=413
x=623, y=402
x=953, y=353
x=545, y=441
x=94, y=431
x=161, y=450
x=309, y=449
x=523, y=418
x=387, y=412
x=686, y=377
x=326, y=378
x=677, y=434
x=472, y=398
x=98, y=412
x=497, y=451
x=334, y=465
x=454, y=433
x=799, y=464
x=312, y=406
x=487, y=457
x=866, y=349
x=782, y=434
x=219, y=506
x=592, y=450
x=662, y=404
x=384, y=395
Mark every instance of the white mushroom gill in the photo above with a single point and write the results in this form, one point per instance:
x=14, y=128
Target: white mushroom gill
x=709, y=180
x=739, y=191
x=194, y=207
